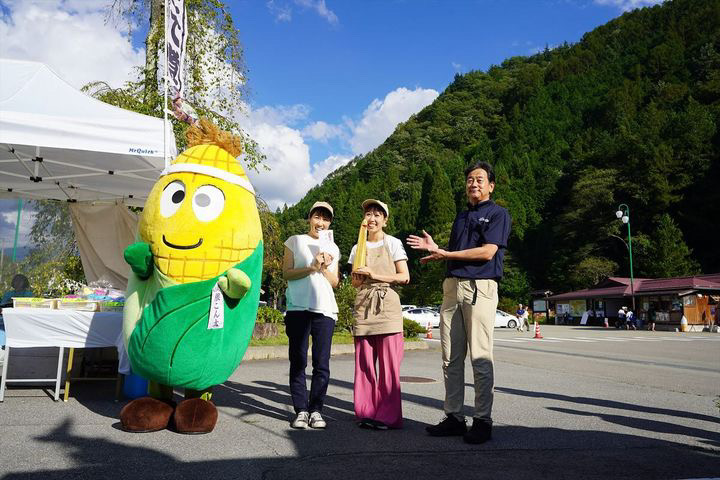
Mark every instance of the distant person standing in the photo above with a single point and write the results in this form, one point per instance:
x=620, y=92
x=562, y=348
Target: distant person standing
x=522, y=316
x=474, y=257
x=652, y=317
x=621, y=318
x=630, y=320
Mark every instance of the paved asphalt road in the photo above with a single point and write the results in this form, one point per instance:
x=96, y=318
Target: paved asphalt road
x=580, y=403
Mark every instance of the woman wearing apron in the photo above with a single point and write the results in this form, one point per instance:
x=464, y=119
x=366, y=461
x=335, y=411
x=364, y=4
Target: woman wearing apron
x=378, y=328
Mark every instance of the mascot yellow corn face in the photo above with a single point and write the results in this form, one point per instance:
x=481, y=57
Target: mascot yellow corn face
x=193, y=296
x=200, y=218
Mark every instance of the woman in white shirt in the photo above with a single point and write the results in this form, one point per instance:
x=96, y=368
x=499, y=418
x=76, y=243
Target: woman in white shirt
x=378, y=323
x=310, y=265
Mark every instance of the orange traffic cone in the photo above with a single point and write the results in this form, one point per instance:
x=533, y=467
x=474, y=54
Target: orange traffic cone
x=429, y=331
x=537, y=331
x=606, y=323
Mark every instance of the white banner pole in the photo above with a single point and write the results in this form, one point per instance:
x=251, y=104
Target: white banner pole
x=165, y=83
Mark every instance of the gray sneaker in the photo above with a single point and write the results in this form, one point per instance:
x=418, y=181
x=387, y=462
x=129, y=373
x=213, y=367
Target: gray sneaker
x=301, y=420
x=317, y=421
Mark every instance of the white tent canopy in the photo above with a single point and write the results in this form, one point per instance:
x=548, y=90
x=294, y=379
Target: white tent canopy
x=58, y=143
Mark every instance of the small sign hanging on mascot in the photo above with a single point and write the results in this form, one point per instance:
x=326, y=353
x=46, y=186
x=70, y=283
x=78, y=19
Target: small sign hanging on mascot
x=217, y=311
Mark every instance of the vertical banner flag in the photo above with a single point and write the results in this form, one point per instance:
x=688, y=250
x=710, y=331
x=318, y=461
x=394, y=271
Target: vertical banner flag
x=176, y=39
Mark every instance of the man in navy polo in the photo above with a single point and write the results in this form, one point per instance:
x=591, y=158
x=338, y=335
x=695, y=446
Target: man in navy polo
x=470, y=295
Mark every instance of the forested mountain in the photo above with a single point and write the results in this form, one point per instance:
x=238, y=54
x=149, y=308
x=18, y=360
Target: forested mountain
x=630, y=114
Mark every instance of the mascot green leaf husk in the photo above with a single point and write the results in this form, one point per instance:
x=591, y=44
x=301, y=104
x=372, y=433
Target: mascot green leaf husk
x=193, y=293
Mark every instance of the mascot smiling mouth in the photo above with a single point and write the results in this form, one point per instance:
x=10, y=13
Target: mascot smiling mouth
x=182, y=247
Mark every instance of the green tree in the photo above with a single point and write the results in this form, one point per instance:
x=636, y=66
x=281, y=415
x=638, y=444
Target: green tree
x=629, y=114
x=515, y=284
x=345, y=296
x=437, y=206
x=591, y=270
x=53, y=264
x=671, y=255
x=215, y=75
x=273, y=243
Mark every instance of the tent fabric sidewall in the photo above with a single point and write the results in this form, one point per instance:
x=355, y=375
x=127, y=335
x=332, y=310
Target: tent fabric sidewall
x=102, y=232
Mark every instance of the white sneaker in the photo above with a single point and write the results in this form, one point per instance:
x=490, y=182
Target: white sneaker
x=317, y=421
x=301, y=421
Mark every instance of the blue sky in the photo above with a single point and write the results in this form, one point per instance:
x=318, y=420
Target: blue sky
x=328, y=79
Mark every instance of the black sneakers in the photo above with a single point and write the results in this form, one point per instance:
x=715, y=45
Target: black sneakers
x=449, y=427
x=480, y=432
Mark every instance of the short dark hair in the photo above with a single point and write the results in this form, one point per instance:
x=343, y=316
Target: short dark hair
x=484, y=166
x=374, y=207
x=322, y=211
x=20, y=283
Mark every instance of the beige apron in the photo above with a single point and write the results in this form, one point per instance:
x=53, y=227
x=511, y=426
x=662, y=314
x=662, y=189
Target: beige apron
x=377, y=307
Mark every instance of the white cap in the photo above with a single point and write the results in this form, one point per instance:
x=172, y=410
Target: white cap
x=372, y=201
x=324, y=205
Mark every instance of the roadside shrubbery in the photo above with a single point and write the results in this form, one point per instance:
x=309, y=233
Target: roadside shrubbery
x=269, y=315
x=412, y=329
x=345, y=297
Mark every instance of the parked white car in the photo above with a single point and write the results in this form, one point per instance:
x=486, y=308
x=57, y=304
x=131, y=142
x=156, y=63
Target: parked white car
x=423, y=316
x=503, y=319
x=405, y=308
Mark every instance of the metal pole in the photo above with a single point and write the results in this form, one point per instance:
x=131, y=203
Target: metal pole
x=165, y=83
x=626, y=212
x=2, y=258
x=17, y=229
x=632, y=278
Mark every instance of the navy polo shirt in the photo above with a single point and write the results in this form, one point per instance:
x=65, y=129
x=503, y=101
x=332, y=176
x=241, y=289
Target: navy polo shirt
x=483, y=223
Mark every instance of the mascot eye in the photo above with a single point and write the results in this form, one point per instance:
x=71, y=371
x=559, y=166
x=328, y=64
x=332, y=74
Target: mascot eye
x=172, y=198
x=208, y=203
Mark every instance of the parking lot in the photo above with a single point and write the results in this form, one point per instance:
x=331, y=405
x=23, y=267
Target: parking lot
x=580, y=403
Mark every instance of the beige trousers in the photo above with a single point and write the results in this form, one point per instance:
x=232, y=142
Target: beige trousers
x=467, y=319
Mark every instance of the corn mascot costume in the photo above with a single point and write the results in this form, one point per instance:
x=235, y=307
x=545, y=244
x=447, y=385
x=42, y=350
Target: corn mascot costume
x=193, y=293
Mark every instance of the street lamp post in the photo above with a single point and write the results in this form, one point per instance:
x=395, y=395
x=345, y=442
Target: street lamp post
x=623, y=214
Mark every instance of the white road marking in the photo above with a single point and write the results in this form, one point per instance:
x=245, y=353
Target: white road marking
x=572, y=339
x=606, y=339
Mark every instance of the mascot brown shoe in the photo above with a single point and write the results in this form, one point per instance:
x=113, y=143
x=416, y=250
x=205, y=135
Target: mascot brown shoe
x=146, y=414
x=195, y=416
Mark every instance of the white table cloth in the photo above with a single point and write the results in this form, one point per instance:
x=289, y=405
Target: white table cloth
x=39, y=327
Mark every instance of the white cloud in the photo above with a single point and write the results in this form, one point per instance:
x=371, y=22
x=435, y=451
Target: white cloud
x=627, y=5
x=321, y=9
x=322, y=132
x=282, y=13
x=8, y=219
x=71, y=37
x=291, y=172
x=280, y=115
x=456, y=66
x=382, y=116
x=288, y=158
x=329, y=165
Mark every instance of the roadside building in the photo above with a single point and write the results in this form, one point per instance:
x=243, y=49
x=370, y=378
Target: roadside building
x=695, y=297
